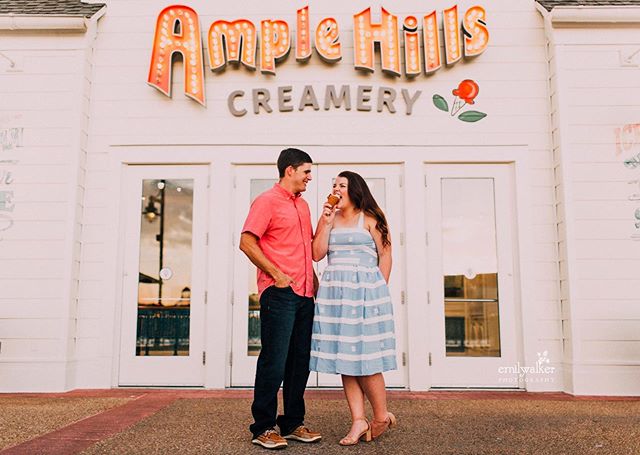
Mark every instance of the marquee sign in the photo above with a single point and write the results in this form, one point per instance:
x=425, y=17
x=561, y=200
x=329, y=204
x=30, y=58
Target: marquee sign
x=178, y=31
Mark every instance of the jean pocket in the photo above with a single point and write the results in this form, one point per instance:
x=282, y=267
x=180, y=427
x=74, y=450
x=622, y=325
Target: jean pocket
x=286, y=288
x=273, y=294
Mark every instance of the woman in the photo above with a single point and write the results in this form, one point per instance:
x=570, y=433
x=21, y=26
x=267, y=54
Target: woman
x=353, y=323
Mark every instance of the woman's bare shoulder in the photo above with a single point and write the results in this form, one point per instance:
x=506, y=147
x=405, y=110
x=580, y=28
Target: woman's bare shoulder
x=370, y=222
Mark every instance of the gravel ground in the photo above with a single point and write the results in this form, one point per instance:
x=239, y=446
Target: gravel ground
x=22, y=419
x=219, y=426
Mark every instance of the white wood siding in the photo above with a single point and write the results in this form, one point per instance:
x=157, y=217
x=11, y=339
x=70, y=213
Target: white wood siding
x=85, y=111
x=132, y=122
x=39, y=253
x=597, y=96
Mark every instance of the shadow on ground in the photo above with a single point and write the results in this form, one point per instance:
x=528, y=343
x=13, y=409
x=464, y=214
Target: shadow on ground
x=219, y=426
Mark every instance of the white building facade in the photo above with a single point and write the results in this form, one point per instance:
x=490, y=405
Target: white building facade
x=513, y=203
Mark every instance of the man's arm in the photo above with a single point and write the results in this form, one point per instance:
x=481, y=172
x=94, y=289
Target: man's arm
x=249, y=246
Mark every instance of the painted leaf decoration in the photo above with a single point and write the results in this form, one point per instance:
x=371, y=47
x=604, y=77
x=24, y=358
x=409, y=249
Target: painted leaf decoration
x=472, y=116
x=440, y=103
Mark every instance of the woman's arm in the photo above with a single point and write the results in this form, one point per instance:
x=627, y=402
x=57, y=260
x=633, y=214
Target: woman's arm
x=320, y=244
x=384, y=252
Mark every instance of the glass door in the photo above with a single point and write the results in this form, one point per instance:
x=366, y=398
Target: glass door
x=249, y=182
x=385, y=182
x=162, y=338
x=470, y=228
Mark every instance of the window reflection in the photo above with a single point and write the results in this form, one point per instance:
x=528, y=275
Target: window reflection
x=164, y=279
x=472, y=322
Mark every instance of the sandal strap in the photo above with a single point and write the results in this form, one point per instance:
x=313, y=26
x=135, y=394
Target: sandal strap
x=351, y=440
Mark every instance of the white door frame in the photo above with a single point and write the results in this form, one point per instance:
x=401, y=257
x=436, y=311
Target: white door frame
x=162, y=370
x=450, y=371
x=393, y=209
x=241, y=363
x=322, y=175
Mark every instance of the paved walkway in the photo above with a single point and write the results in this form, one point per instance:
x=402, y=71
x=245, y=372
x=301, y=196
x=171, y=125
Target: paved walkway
x=137, y=421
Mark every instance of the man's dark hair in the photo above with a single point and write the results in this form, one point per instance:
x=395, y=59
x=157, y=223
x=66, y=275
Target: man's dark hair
x=292, y=157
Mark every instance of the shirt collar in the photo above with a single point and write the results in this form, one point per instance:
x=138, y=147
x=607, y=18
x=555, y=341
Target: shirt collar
x=284, y=192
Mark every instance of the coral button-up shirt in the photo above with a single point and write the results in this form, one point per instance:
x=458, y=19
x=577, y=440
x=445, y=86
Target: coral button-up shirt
x=282, y=222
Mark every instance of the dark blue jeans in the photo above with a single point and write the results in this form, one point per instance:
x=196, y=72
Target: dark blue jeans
x=286, y=320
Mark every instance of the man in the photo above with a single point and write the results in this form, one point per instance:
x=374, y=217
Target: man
x=276, y=237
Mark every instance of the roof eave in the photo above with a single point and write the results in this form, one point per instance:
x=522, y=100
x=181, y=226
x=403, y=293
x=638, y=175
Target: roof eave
x=43, y=22
x=576, y=15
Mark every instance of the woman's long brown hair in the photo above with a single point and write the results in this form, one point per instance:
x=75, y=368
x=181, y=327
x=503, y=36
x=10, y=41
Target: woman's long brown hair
x=362, y=199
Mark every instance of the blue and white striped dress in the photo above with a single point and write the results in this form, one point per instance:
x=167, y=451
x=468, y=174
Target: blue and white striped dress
x=353, y=329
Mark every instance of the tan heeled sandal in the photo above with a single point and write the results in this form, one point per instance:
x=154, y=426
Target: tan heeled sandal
x=378, y=428
x=366, y=434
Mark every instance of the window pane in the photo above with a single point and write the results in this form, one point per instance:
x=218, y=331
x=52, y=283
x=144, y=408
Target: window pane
x=257, y=187
x=377, y=188
x=483, y=286
x=164, y=283
x=472, y=329
x=470, y=262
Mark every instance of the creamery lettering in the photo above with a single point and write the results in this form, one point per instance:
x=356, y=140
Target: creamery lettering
x=285, y=99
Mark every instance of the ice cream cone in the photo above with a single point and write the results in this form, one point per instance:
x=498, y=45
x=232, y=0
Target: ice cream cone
x=333, y=199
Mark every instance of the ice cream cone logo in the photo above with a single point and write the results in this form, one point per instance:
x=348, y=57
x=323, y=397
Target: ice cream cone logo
x=466, y=93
